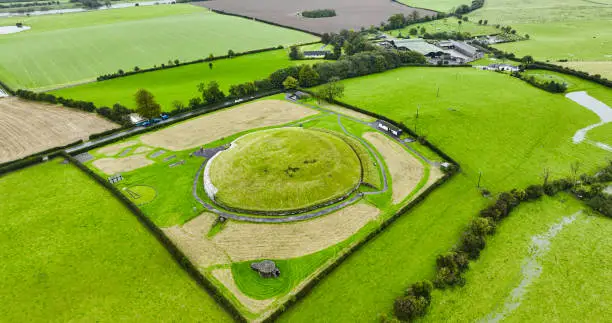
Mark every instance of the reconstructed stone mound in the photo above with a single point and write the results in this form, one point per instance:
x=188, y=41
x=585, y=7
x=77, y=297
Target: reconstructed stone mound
x=266, y=269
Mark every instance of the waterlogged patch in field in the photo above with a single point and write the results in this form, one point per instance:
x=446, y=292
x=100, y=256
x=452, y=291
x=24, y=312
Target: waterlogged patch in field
x=546, y=255
x=72, y=251
x=66, y=49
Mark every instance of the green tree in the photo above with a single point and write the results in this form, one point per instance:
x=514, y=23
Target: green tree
x=295, y=53
x=231, y=53
x=290, y=83
x=331, y=90
x=308, y=77
x=146, y=105
x=211, y=93
x=407, y=308
x=527, y=59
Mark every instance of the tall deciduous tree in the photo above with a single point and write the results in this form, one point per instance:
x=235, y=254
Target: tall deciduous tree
x=331, y=90
x=146, y=106
x=290, y=83
x=308, y=77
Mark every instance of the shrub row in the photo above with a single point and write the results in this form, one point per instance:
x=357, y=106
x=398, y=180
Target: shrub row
x=451, y=265
x=566, y=70
x=204, y=109
x=550, y=86
x=176, y=253
x=319, y=13
x=177, y=63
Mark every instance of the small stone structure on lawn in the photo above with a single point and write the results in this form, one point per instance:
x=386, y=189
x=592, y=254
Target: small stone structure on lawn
x=266, y=269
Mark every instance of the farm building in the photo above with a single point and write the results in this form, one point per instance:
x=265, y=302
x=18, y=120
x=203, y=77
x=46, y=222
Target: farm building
x=461, y=48
x=315, y=53
x=388, y=128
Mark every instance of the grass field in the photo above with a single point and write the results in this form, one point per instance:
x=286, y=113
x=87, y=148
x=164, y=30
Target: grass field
x=180, y=83
x=72, y=48
x=574, y=285
x=438, y=5
x=575, y=30
x=602, y=134
x=509, y=135
x=72, y=252
x=284, y=169
x=449, y=25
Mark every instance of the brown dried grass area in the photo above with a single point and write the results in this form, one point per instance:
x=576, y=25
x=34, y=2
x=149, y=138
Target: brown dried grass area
x=117, y=165
x=224, y=275
x=29, y=127
x=603, y=68
x=348, y=112
x=350, y=14
x=248, y=241
x=211, y=127
x=406, y=170
x=114, y=149
x=191, y=239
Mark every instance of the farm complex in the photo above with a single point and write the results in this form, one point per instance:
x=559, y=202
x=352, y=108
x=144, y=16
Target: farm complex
x=320, y=161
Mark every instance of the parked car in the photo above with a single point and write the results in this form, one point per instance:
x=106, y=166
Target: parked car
x=145, y=123
x=156, y=120
x=163, y=116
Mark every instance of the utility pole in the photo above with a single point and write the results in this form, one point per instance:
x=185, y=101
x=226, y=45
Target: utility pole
x=438, y=94
x=418, y=107
x=479, y=177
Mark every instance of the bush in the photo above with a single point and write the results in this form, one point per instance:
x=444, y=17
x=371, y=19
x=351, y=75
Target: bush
x=408, y=308
x=534, y=192
x=319, y=13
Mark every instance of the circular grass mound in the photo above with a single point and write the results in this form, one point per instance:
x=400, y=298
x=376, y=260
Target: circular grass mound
x=284, y=170
x=140, y=194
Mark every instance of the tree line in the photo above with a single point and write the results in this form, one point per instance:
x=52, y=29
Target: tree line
x=319, y=13
x=451, y=265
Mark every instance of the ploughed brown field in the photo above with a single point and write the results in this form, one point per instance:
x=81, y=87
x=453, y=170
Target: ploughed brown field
x=29, y=127
x=350, y=14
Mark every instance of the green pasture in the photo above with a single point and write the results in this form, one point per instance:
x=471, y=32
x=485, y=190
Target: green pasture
x=574, y=83
x=450, y=24
x=574, y=30
x=293, y=271
x=180, y=83
x=509, y=135
x=72, y=252
x=66, y=49
x=602, y=134
x=437, y=5
x=575, y=281
x=284, y=169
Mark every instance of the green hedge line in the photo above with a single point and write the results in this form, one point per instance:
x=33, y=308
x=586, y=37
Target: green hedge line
x=176, y=253
x=425, y=142
x=569, y=71
x=264, y=21
x=313, y=282
x=180, y=118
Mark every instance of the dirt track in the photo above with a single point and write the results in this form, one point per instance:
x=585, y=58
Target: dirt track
x=214, y=126
x=29, y=127
x=350, y=14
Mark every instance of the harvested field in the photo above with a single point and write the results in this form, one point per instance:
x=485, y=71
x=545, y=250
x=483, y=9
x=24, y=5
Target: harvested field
x=117, y=165
x=227, y=122
x=29, y=127
x=247, y=241
x=603, y=68
x=351, y=14
x=191, y=239
x=226, y=278
x=347, y=112
x=112, y=150
x=406, y=171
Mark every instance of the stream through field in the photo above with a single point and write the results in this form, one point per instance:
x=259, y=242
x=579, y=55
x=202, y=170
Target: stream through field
x=532, y=268
x=603, y=111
